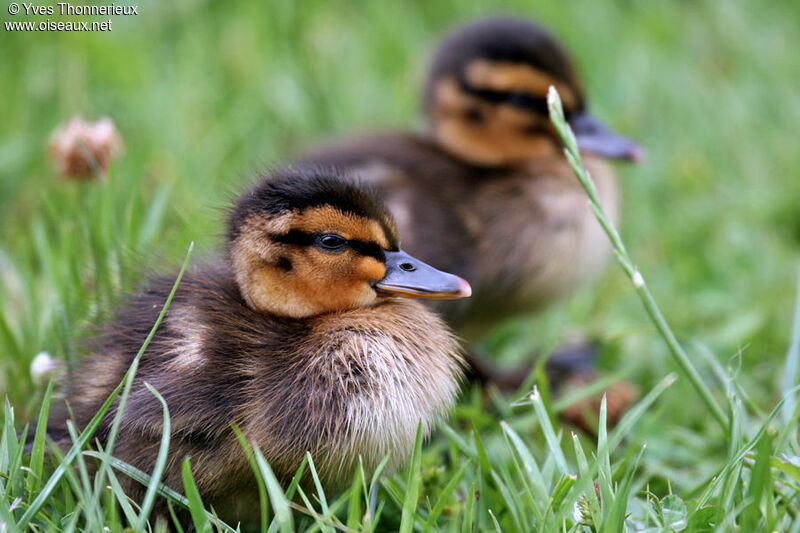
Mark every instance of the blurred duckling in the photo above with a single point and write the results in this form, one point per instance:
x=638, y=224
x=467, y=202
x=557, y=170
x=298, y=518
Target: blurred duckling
x=303, y=335
x=486, y=192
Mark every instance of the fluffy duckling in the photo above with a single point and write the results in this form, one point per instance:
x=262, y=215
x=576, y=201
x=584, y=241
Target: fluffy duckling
x=304, y=336
x=486, y=191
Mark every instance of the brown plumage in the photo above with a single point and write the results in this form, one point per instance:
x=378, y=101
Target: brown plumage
x=486, y=192
x=293, y=337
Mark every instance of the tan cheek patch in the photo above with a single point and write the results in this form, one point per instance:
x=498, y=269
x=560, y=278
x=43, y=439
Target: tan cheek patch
x=370, y=268
x=328, y=267
x=497, y=141
x=508, y=77
x=335, y=278
x=511, y=117
x=259, y=227
x=331, y=282
x=451, y=99
x=317, y=281
x=503, y=136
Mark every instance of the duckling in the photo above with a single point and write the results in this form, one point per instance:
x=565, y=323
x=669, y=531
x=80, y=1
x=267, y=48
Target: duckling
x=486, y=192
x=303, y=335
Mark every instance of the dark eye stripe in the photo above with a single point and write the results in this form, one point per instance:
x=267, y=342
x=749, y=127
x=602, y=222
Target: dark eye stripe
x=303, y=238
x=369, y=249
x=518, y=99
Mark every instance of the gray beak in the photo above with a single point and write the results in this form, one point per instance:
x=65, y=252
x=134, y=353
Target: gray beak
x=595, y=137
x=408, y=277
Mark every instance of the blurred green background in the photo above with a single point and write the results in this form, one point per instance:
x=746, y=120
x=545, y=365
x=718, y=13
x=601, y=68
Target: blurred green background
x=206, y=94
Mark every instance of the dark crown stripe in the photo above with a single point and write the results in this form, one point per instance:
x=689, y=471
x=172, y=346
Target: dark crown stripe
x=296, y=189
x=502, y=39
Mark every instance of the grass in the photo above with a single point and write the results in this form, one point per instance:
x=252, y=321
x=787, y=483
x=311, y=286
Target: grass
x=204, y=93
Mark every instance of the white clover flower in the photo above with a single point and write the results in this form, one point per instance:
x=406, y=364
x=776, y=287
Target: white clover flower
x=44, y=368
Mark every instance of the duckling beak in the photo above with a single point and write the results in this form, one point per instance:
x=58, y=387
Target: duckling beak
x=595, y=137
x=408, y=277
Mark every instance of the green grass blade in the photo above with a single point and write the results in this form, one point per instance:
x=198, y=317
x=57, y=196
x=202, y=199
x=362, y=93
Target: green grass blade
x=317, y=484
x=615, y=520
x=196, y=508
x=585, y=484
x=36, y=462
x=354, y=513
x=444, y=497
x=469, y=510
x=603, y=449
x=280, y=505
x=791, y=368
x=561, y=490
x=549, y=434
x=298, y=475
x=412, y=486
x=456, y=439
x=513, y=504
x=7, y=518
x=625, y=425
x=176, y=523
x=161, y=463
x=91, y=507
x=495, y=522
x=262, y=490
x=122, y=498
x=485, y=477
x=532, y=477
x=758, y=486
x=8, y=448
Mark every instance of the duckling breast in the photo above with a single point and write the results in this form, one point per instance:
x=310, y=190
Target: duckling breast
x=362, y=381
x=539, y=239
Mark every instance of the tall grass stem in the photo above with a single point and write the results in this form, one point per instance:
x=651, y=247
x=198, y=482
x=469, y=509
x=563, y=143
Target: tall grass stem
x=573, y=156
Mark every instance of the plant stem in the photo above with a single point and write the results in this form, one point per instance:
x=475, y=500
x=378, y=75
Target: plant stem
x=650, y=305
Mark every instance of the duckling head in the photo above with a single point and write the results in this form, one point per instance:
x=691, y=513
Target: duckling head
x=486, y=96
x=303, y=242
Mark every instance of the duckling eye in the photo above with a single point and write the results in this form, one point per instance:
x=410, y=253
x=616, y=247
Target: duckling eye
x=525, y=101
x=330, y=242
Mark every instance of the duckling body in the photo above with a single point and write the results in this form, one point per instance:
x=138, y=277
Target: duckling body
x=340, y=385
x=295, y=337
x=486, y=191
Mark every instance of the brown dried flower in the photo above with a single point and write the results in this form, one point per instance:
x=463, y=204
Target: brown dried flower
x=83, y=150
x=583, y=413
